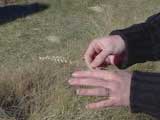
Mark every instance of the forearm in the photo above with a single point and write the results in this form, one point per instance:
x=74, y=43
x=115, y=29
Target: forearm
x=142, y=41
x=145, y=93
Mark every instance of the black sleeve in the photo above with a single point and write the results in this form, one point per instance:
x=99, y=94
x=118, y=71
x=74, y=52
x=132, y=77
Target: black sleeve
x=145, y=93
x=142, y=41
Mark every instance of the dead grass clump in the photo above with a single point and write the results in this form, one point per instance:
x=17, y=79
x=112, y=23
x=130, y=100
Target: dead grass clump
x=23, y=89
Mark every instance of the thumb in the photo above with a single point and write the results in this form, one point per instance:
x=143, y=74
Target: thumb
x=114, y=59
x=110, y=60
x=100, y=58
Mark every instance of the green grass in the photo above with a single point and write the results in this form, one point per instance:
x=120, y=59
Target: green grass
x=37, y=90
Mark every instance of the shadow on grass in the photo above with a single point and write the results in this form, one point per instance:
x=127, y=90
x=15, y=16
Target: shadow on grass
x=12, y=12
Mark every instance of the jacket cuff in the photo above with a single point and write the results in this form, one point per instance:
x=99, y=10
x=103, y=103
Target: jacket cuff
x=138, y=43
x=145, y=93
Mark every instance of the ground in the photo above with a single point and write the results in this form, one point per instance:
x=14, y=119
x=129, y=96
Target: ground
x=39, y=52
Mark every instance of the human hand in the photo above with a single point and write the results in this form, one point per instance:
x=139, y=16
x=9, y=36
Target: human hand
x=105, y=51
x=116, y=84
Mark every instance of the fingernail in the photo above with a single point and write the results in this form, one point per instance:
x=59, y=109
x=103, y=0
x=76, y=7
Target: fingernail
x=77, y=91
x=70, y=81
x=75, y=74
x=87, y=106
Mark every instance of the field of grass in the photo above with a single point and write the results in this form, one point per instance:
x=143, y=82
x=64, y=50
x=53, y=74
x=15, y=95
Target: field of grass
x=33, y=82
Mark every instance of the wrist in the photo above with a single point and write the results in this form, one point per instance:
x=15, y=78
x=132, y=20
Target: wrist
x=120, y=50
x=119, y=44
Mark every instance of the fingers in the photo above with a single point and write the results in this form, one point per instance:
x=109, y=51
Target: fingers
x=89, y=82
x=93, y=92
x=99, y=59
x=101, y=104
x=101, y=74
x=95, y=55
x=88, y=56
x=114, y=59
